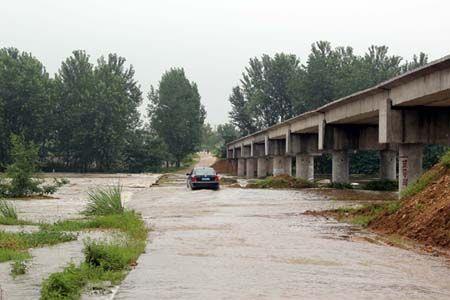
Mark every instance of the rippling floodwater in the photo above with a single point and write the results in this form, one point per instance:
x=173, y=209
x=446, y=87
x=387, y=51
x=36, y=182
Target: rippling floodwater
x=247, y=244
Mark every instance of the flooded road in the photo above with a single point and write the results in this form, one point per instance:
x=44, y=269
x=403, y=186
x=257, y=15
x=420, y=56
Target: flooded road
x=257, y=244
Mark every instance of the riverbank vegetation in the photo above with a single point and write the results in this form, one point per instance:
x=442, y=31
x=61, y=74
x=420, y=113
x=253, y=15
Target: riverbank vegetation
x=105, y=260
x=421, y=214
x=281, y=182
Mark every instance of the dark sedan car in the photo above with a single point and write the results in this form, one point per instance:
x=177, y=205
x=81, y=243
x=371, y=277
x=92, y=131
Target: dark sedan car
x=203, y=177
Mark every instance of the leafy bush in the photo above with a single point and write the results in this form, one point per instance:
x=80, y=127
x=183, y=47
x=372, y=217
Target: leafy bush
x=18, y=267
x=282, y=182
x=21, y=171
x=104, y=201
x=382, y=185
x=64, y=285
x=445, y=160
x=340, y=186
x=112, y=256
x=7, y=211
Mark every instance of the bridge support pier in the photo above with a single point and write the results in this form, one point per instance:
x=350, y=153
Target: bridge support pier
x=241, y=167
x=388, y=164
x=304, y=166
x=410, y=164
x=250, y=168
x=340, y=167
x=288, y=165
x=279, y=165
x=261, y=167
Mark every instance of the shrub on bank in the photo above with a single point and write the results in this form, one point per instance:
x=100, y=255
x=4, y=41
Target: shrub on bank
x=282, y=182
x=104, y=201
x=381, y=185
x=340, y=186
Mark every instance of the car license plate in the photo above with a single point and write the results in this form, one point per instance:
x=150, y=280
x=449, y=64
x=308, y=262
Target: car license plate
x=205, y=179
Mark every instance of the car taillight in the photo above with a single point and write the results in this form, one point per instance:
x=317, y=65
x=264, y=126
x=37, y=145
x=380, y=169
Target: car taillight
x=216, y=178
x=193, y=179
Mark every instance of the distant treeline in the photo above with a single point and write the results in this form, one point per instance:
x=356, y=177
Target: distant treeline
x=276, y=88
x=86, y=117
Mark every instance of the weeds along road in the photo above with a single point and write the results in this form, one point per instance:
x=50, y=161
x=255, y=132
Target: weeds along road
x=248, y=244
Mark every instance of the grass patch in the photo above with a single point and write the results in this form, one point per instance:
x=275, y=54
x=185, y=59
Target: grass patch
x=7, y=254
x=8, y=210
x=25, y=240
x=364, y=215
x=18, y=267
x=69, y=283
x=129, y=222
x=382, y=185
x=445, y=160
x=11, y=221
x=340, y=186
x=421, y=183
x=113, y=256
x=104, y=261
x=104, y=201
x=282, y=182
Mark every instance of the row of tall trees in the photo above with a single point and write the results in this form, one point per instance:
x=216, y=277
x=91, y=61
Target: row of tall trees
x=276, y=88
x=86, y=116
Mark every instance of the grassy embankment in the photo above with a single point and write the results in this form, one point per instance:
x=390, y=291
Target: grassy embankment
x=105, y=261
x=420, y=214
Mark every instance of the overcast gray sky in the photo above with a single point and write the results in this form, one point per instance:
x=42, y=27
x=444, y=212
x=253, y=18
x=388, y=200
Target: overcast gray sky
x=213, y=40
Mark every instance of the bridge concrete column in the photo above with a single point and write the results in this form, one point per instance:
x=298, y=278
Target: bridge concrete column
x=288, y=165
x=388, y=164
x=250, y=168
x=241, y=167
x=340, y=167
x=262, y=167
x=279, y=165
x=410, y=164
x=304, y=166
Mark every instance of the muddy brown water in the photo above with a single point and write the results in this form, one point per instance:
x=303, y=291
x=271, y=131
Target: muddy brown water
x=257, y=244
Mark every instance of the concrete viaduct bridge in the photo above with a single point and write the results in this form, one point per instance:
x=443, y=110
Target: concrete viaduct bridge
x=397, y=118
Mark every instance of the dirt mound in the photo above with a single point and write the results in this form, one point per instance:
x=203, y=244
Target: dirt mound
x=223, y=166
x=425, y=216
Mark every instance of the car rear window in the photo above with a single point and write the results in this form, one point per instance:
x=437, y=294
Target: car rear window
x=205, y=171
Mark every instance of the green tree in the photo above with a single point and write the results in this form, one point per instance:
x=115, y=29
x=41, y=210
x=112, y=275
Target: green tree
x=241, y=115
x=269, y=92
x=24, y=164
x=176, y=114
x=144, y=152
x=97, y=109
x=25, y=100
x=210, y=138
x=227, y=133
x=118, y=97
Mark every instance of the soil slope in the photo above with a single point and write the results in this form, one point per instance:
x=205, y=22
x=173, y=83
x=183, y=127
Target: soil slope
x=424, y=217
